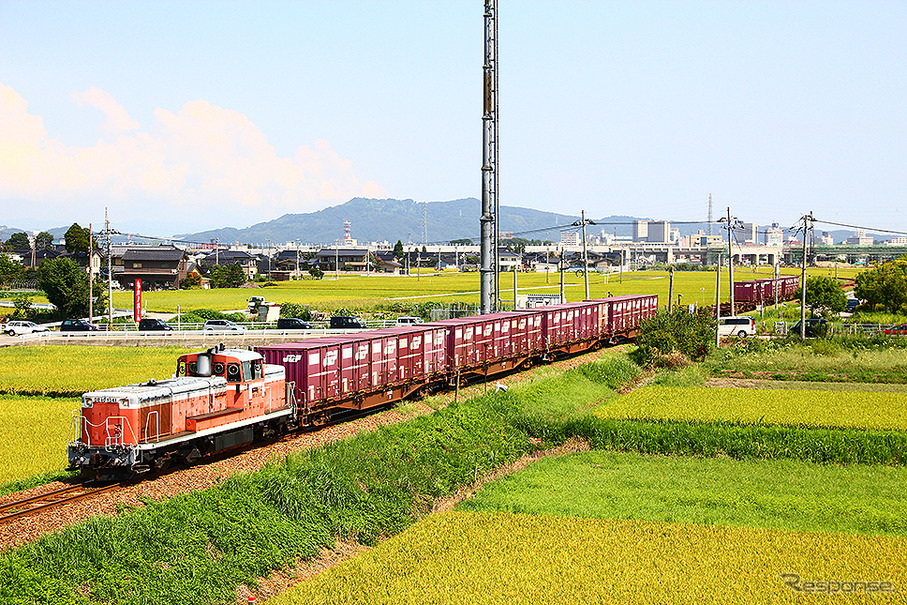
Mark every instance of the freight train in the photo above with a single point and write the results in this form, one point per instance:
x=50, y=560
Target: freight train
x=221, y=398
x=748, y=294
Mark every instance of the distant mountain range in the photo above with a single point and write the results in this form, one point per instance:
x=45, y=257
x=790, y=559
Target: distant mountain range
x=374, y=220
x=390, y=220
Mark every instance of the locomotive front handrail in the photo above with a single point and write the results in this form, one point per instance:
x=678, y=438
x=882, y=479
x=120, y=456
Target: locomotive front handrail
x=157, y=427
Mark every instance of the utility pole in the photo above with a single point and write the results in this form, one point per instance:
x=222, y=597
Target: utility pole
x=514, y=286
x=730, y=259
x=775, y=285
x=671, y=291
x=585, y=255
x=560, y=264
x=488, y=222
x=269, y=260
x=718, y=301
x=107, y=232
x=90, y=280
x=806, y=219
x=731, y=223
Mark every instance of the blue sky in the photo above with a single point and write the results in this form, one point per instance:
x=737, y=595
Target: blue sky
x=181, y=116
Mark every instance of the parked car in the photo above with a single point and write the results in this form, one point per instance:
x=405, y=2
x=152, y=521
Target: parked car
x=222, y=325
x=342, y=322
x=18, y=327
x=896, y=330
x=741, y=326
x=408, y=321
x=77, y=325
x=153, y=325
x=852, y=304
x=292, y=323
x=814, y=328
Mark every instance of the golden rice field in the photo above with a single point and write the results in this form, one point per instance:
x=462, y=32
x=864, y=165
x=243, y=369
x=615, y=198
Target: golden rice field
x=790, y=407
x=356, y=291
x=495, y=558
x=35, y=433
x=66, y=370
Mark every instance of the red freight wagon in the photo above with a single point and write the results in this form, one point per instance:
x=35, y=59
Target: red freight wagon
x=762, y=291
x=362, y=370
x=569, y=327
x=628, y=311
x=492, y=343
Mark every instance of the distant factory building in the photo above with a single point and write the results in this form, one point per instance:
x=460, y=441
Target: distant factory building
x=641, y=231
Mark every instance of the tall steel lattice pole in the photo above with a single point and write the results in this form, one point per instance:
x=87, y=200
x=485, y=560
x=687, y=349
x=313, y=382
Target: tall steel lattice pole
x=489, y=219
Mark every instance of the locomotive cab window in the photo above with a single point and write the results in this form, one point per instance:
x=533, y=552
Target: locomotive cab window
x=248, y=371
x=234, y=373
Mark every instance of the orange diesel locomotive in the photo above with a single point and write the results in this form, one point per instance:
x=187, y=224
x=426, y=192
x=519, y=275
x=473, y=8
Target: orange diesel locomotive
x=218, y=399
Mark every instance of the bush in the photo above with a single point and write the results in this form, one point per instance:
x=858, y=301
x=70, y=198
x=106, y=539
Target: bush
x=662, y=337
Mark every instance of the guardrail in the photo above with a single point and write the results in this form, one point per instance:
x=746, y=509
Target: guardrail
x=182, y=330
x=840, y=328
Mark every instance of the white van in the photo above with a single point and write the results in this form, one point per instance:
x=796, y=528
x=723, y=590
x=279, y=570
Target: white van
x=741, y=326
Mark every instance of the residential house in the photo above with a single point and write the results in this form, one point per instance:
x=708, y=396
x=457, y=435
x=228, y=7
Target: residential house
x=157, y=267
x=222, y=258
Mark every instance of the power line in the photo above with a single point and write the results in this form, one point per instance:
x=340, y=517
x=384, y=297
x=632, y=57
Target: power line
x=859, y=227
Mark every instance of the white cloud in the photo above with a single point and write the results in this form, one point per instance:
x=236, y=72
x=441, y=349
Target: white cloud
x=202, y=164
x=117, y=118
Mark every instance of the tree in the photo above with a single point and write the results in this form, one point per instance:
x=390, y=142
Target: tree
x=22, y=304
x=193, y=280
x=398, y=250
x=885, y=285
x=227, y=276
x=315, y=272
x=66, y=285
x=44, y=241
x=76, y=239
x=824, y=295
x=10, y=270
x=18, y=242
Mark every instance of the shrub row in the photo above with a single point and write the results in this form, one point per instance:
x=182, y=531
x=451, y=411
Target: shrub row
x=738, y=440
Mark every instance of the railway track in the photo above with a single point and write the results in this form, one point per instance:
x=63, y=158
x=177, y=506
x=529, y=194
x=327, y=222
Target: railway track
x=53, y=499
